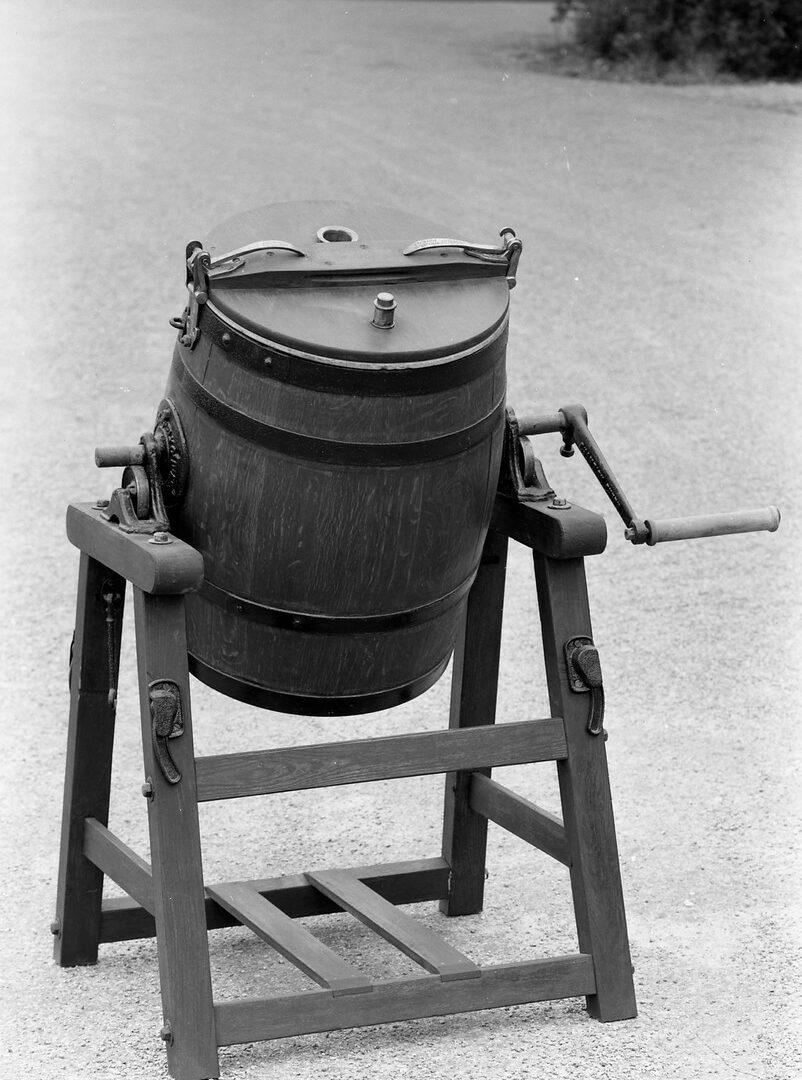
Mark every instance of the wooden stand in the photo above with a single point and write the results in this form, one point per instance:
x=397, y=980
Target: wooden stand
x=168, y=897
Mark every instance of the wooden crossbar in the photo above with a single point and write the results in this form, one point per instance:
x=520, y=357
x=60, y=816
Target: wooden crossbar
x=407, y=934
x=519, y=816
x=289, y=938
x=119, y=862
x=154, y=568
x=410, y=882
x=261, y=772
x=254, y=1019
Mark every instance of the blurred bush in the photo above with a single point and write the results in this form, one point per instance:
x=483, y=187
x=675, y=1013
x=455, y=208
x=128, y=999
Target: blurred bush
x=753, y=39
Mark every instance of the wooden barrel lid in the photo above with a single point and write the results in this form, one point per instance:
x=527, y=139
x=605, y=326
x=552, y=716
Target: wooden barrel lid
x=319, y=299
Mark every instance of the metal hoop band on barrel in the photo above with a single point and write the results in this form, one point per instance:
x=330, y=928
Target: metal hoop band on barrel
x=332, y=624
x=385, y=378
x=305, y=705
x=311, y=448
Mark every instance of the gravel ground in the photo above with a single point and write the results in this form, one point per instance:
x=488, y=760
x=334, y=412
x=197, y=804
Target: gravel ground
x=660, y=286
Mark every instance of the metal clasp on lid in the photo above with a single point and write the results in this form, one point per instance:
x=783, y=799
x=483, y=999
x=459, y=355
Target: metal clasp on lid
x=201, y=266
x=509, y=251
x=220, y=263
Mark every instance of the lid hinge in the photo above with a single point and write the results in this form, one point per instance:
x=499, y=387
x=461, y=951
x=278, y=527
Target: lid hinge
x=198, y=263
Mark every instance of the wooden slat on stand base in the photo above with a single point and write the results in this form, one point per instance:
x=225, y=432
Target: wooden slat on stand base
x=410, y=936
x=290, y=938
x=253, y=1019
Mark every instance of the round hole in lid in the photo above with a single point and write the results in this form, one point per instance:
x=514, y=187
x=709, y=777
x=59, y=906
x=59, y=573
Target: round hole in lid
x=336, y=234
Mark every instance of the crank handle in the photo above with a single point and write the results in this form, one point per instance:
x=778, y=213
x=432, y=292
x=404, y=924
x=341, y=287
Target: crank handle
x=648, y=532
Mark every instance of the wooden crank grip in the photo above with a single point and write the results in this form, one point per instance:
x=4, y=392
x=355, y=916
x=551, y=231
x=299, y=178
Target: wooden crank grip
x=766, y=519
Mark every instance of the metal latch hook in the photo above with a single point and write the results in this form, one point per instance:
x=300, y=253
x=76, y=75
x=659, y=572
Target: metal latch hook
x=509, y=251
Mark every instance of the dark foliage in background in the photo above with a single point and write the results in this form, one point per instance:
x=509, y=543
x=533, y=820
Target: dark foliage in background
x=752, y=39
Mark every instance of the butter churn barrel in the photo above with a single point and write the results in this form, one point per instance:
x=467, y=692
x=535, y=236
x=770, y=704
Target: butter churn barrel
x=336, y=407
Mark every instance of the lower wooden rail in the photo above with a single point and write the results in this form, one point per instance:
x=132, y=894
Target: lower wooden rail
x=410, y=882
x=254, y=1019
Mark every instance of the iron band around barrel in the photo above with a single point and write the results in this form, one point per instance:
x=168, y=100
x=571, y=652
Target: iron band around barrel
x=284, y=365
x=310, y=704
x=331, y=624
x=327, y=451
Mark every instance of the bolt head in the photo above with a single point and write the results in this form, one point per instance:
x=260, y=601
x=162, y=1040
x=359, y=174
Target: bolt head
x=101, y=504
x=55, y=928
x=161, y=538
x=147, y=789
x=166, y=1033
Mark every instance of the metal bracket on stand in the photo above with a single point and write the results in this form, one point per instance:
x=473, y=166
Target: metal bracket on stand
x=584, y=676
x=167, y=723
x=528, y=510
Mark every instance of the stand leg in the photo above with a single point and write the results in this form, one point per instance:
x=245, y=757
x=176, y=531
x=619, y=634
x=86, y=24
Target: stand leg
x=585, y=795
x=175, y=838
x=474, y=689
x=87, y=783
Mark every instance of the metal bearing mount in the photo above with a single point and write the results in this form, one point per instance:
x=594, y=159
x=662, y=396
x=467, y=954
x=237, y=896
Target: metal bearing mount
x=154, y=476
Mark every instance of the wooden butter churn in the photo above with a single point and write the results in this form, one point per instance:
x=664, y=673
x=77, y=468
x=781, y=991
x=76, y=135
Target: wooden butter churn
x=320, y=516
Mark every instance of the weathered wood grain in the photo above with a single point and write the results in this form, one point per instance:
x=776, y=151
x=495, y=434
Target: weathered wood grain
x=326, y=484
x=119, y=862
x=404, y=999
x=519, y=816
x=474, y=689
x=178, y=895
x=566, y=533
x=87, y=782
x=154, y=568
x=260, y=772
x=585, y=795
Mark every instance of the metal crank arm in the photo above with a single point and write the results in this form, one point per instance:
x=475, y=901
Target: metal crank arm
x=572, y=423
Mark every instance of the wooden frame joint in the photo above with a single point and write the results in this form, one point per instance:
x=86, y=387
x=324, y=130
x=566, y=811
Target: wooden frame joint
x=519, y=816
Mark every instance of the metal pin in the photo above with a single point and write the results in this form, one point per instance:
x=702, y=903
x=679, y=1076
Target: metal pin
x=384, y=310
